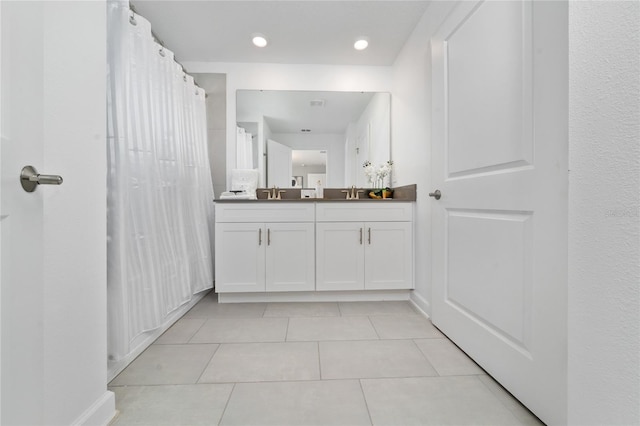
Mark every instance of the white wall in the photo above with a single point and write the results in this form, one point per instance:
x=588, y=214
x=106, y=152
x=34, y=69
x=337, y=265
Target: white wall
x=333, y=144
x=241, y=76
x=411, y=136
x=215, y=86
x=604, y=210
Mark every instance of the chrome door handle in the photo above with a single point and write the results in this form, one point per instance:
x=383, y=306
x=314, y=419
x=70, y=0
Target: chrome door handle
x=436, y=194
x=360, y=236
x=30, y=179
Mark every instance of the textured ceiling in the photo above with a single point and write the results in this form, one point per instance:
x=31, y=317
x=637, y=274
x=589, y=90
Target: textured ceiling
x=299, y=32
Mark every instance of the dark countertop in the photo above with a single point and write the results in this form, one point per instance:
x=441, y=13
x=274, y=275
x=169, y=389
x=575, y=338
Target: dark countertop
x=400, y=194
x=309, y=200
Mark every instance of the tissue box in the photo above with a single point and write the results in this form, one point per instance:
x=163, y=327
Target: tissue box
x=307, y=193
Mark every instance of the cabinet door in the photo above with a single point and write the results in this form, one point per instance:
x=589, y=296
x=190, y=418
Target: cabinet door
x=340, y=256
x=240, y=256
x=388, y=255
x=290, y=257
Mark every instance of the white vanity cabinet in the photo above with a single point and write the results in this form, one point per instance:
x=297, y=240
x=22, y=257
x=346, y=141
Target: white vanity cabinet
x=240, y=257
x=264, y=247
x=364, y=246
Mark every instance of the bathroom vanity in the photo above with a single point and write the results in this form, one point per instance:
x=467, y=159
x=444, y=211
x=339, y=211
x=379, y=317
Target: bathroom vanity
x=314, y=249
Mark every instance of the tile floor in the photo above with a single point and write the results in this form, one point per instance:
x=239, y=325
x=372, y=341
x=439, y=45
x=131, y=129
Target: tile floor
x=356, y=363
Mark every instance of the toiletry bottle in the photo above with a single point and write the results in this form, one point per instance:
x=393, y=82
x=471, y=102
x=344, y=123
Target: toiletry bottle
x=319, y=190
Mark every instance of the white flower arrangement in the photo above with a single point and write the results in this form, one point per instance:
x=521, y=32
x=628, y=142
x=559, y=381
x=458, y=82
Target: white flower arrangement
x=376, y=175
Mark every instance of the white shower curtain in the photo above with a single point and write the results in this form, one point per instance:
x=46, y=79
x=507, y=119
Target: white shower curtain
x=244, y=149
x=159, y=185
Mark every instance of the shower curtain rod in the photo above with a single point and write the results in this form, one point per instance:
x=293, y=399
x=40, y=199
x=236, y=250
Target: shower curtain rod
x=161, y=43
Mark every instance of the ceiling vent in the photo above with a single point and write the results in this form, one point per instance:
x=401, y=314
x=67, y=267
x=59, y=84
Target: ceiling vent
x=317, y=103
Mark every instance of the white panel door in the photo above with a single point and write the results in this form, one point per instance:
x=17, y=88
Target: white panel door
x=279, y=169
x=290, y=257
x=339, y=256
x=53, y=240
x=388, y=255
x=22, y=293
x=240, y=257
x=499, y=157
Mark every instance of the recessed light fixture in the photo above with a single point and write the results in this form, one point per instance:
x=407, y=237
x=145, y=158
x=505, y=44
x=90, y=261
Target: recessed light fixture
x=361, y=43
x=259, y=40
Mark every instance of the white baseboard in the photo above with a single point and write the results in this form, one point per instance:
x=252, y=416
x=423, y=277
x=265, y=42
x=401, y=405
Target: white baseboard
x=315, y=296
x=420, y=303
x=100, y=413
x=116, y=367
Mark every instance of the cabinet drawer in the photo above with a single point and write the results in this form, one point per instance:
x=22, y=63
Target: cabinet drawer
x=365, y=212
x=265, y=212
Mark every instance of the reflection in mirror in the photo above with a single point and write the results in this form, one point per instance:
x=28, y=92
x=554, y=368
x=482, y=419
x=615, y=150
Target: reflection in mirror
x=347, y=128
x=309, y=168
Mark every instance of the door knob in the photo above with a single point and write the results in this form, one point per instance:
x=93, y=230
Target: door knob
x=30, y=179
x=436, y=194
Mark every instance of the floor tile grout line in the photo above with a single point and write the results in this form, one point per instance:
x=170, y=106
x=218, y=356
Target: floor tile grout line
x=353, y=340
x=319, y=361
x=224, y=410
x=331, y=379
x=196, y=332
x=426, y=358
x=286, y=330
x=208, y=362
x=157, y=385
x=374, y=327
x=366, y=404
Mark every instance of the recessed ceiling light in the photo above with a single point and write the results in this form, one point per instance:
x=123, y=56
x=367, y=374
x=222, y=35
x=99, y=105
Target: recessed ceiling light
x=259, y=40
x=361, y=43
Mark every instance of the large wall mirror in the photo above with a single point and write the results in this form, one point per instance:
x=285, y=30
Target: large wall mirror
x=306, y=139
